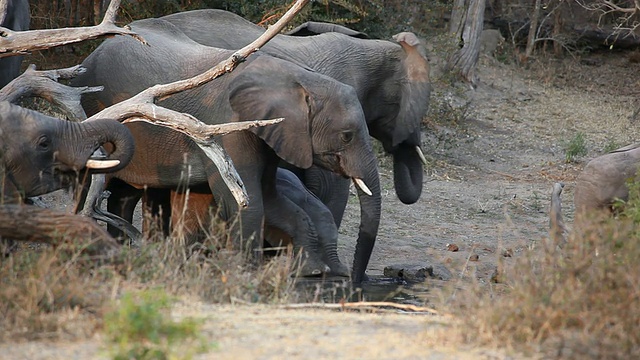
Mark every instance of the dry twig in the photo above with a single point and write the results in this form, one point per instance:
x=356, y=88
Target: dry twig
x=363, y=305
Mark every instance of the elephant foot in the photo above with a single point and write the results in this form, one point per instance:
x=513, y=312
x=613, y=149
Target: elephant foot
x=339, y=269
x=312, y=267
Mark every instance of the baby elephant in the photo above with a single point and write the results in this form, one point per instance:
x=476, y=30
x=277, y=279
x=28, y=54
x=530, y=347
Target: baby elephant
x=320, y=219
x=319, y=250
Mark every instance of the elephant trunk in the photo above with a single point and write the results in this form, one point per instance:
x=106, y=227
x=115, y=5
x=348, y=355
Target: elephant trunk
x=90, y=135
x=407, y=173
x=369, y=221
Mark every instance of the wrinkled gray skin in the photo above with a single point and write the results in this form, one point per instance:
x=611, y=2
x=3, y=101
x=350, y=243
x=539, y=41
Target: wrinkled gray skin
x=601, y=182
x=313, y=211
x=324, y=126
x=40, y=154
x=17, y=18
x=390, y=78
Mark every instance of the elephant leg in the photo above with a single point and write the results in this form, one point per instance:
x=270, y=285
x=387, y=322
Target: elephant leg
x=331, y=188
x=157, y=204
x=122, y=202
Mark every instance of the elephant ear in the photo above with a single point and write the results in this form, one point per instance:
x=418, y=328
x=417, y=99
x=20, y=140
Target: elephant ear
x=267, y=92
x=416, y=89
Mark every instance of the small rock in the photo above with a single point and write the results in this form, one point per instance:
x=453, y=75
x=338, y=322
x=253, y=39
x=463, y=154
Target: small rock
x=417, y=272
x=474, y=257
x=452, y=247
x=507, y=252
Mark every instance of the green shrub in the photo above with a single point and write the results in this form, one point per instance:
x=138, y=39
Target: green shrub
x=140, y=327
x=575, y=147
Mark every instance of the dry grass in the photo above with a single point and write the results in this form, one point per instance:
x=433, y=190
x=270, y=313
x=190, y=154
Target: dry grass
x=62, y=294
x=577, y=302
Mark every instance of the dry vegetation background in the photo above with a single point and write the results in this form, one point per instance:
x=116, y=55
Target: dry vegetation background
x=494, y=153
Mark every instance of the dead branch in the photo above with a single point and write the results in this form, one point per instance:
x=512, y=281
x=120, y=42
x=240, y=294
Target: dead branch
x=143, y=106
x=21, y=42
x=54, y=227
x=363, y=305
x=44, y=84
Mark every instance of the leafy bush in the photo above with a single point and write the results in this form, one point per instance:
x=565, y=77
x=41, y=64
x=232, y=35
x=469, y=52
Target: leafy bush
x=575, y=147
x=140, y=327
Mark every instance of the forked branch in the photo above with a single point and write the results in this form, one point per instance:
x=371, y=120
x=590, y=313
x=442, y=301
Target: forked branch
x=21, y=42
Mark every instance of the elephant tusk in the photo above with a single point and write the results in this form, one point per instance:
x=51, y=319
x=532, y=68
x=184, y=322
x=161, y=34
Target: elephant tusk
x=101, y=164
x=421, y=155
x=360, y=184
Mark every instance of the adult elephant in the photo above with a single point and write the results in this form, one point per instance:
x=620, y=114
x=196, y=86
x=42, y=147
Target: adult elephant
x=324, y=126
x=16, y=18
x=40, y=154
x=391, y=80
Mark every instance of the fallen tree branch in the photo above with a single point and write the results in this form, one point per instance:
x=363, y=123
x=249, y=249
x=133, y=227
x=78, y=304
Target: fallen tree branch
x=54, y=227
x=363, y=305
x=44, y=84
x=21, y=42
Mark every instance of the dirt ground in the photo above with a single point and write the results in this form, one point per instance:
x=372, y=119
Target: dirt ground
x=486, y=190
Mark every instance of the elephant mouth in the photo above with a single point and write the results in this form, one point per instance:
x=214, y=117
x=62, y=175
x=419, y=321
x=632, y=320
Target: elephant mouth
x=335, y=162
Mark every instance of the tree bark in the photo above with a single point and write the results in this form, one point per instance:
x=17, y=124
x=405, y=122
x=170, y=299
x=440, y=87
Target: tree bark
x=463, y=62
x=54, y=227
x=533, y=30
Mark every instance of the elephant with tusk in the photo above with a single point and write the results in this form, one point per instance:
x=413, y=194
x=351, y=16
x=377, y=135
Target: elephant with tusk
x=391, y=79
x=41, y=154
x=324, y=126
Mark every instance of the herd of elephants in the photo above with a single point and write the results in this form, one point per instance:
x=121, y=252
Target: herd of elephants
x=334, y=87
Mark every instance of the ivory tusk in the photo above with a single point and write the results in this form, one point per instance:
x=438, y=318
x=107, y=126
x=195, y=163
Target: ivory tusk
x=359, y=183
x=421, y=155
x=101, y=164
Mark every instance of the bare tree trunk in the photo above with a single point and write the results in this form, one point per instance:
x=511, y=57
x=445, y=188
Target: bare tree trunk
x=457, y=17
x=465, y=59
x=533, y=30
x=557, y=30
x=54, y=227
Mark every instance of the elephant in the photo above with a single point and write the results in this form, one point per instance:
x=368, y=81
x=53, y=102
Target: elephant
x=41, y=154
x=17, y=18
x=602, y=181
x=324, y=125
x=290, y=186
x=391, y=80
x=310, y=215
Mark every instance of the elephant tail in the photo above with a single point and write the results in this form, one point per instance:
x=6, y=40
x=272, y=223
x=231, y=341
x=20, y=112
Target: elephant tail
x=557, y=229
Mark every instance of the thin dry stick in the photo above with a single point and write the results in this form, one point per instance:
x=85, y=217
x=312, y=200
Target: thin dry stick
x=21, y=42
x=142, y=106
x=362, y=304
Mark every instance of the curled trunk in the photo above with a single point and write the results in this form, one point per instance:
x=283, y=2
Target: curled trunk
x=407, y=173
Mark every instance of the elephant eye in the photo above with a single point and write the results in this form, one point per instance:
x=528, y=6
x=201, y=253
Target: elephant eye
x=44, y=143
x=346, y=136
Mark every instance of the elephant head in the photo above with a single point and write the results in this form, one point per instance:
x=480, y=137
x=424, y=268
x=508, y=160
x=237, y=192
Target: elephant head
x=41, y=154
x=325, y=127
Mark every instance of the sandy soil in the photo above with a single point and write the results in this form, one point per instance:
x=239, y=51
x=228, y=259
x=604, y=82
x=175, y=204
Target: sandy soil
x=487, y=189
